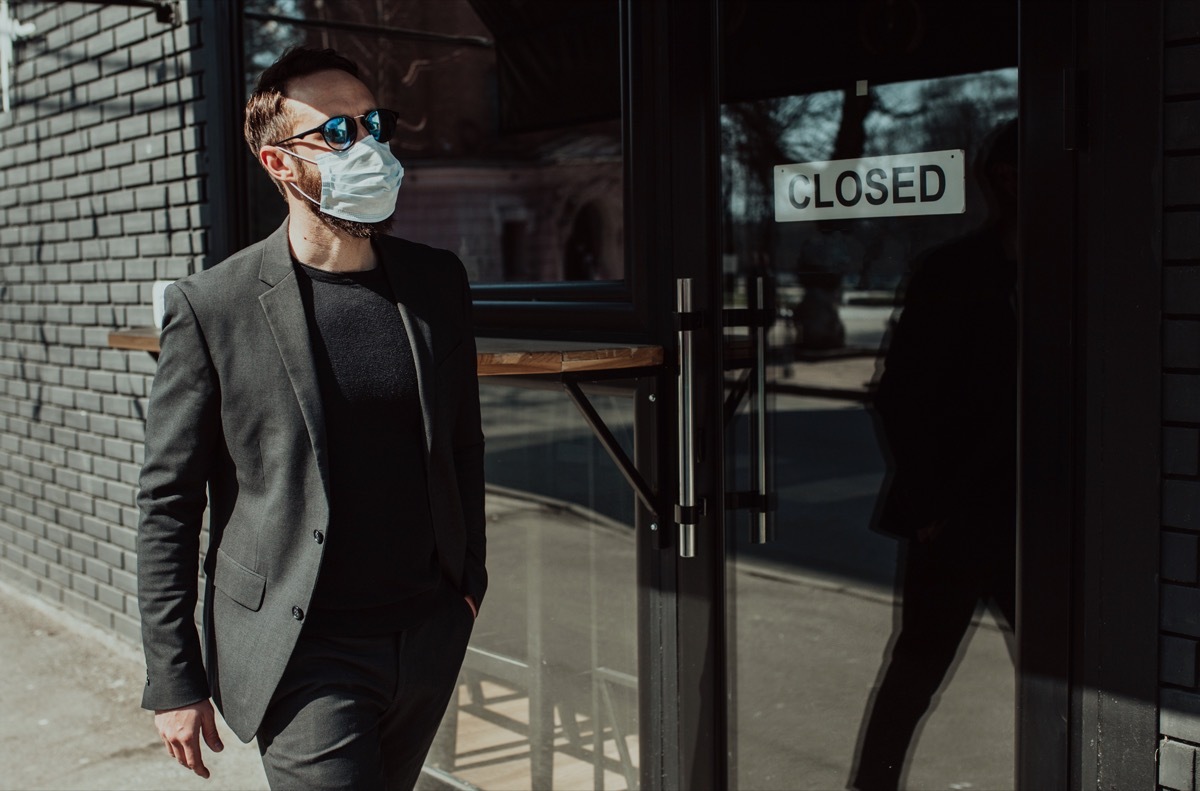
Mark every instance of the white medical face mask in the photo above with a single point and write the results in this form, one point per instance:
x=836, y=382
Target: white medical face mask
x=358, y=184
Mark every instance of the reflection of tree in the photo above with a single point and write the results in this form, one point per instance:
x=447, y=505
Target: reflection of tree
x=446, y=91
x=443, y=90
x=924, y=115
x=266, y=41
x=954, y=112
x=852, y=133
x=757, y=136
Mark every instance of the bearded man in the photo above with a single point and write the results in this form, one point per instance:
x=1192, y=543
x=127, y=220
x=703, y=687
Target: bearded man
x=320, y=386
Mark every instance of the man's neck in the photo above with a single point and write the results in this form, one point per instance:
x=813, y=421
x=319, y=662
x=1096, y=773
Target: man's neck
x=319, y=246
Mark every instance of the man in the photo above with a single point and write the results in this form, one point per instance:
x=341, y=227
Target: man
x=321, y=386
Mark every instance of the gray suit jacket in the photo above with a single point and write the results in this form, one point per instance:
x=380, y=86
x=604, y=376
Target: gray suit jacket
x=236, y=410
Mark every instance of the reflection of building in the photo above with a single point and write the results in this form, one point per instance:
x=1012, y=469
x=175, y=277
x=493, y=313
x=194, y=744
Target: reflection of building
x=509, y=163
x=541, y=221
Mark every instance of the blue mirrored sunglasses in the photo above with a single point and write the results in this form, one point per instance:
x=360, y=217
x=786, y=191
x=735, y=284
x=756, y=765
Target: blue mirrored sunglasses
x=341, y=131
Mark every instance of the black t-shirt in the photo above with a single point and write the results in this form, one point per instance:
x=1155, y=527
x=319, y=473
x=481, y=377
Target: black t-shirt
x=380, y=570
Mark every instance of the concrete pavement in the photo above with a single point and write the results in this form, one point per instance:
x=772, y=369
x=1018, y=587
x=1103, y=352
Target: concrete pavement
x=71, y=719
x=807, y=645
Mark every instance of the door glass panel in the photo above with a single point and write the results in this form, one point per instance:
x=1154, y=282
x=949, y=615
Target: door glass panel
x=885, y=427
x=547, y=697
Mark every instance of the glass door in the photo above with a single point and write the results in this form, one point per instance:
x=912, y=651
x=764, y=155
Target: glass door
x=868, y=183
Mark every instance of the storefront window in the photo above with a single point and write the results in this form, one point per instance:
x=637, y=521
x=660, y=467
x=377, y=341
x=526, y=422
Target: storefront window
x=509, y=127
x=548, y=692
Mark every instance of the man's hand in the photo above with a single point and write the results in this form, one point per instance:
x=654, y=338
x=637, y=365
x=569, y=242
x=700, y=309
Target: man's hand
x=474, y=607
x=180, y=730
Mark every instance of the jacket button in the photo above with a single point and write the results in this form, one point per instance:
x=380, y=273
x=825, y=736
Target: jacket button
x=318, y=536
x=298, y=614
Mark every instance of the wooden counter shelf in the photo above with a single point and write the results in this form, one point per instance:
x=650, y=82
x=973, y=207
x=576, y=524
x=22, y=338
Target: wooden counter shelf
x=496, y=356
x=505, y=356
x=142, y=339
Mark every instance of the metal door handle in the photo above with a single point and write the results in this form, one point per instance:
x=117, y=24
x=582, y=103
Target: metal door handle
x=685, y=511
x=763, y=529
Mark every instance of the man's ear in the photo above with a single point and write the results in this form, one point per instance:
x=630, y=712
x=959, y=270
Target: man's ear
x=278, y=165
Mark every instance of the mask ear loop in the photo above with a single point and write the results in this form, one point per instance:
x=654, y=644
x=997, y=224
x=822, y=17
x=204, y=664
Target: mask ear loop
x=302, y=192
x=292, y=184
x=291, y=153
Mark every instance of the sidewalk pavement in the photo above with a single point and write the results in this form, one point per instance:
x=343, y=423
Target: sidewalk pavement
x=72, y=718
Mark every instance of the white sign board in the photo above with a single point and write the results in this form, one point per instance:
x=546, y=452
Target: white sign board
x=902, y=185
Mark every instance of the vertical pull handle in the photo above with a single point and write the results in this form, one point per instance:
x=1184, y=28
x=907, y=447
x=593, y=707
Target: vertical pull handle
x=685, y=511
x=762, y=527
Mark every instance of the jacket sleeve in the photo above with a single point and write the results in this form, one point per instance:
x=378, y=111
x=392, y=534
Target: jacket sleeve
x=468, y=456
x=182, y=435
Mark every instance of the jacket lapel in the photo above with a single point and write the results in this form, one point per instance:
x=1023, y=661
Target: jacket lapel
x=408, y=293
x=289, y=326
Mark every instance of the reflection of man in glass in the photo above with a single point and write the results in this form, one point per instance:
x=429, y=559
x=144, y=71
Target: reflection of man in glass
x=947, y=404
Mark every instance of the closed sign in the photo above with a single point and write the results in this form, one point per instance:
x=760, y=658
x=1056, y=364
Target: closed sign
x=902, y=185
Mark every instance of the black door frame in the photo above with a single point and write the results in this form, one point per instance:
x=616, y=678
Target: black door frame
x=1048, y=232
x=1091, y=105
x=674, y=147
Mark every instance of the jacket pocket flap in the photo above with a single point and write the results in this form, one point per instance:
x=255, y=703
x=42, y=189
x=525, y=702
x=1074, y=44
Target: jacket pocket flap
x=238, y=582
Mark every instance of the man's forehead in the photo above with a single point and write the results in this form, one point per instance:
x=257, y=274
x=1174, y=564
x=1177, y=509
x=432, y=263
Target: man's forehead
x=324, y=94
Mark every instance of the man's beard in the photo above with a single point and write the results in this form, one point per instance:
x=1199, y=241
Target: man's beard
x=309, y=182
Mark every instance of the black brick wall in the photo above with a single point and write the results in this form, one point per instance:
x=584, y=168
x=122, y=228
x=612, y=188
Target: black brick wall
x=1179, y=719
x=101, y=194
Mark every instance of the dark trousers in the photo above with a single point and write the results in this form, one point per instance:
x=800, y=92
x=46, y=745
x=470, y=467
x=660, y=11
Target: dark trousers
x=942, y=584
x=361, y=712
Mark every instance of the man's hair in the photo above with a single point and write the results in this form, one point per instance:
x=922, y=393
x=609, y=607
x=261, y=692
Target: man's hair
x=267, y=117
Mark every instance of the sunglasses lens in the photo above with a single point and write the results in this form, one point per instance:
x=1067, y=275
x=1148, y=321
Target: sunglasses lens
x=382, y=124
x=339, y=132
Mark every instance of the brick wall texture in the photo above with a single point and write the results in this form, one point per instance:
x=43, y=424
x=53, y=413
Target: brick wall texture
x=1179, y=719
x=101, y=194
